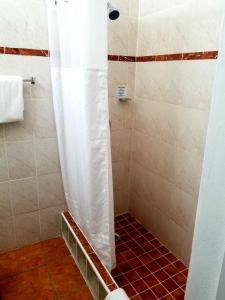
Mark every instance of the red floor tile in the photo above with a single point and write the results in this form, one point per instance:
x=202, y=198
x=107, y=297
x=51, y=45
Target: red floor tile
x=143, y=271
x=140, y=286
x=153, y=266
x=178, y=294
x=146, y=264
x=161, y=275
x=159, y=291
x=132, y=276
x=170, y=285
x=130, y=290
x=171, y=270
x=148, y=295
x=151, y=280
x=34, y=284
x=180, y=279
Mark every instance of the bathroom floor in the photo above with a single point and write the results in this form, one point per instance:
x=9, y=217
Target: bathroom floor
x=43, y=271
x=146, y=269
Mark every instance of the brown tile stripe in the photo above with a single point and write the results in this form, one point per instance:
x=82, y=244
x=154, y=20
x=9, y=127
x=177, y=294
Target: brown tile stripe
x=23, y=51
x=125, y=58
x=166, y=57
x=99, y=266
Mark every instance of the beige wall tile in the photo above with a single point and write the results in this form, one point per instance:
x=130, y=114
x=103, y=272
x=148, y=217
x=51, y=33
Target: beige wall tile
x=1, y=133
x=121, y=202
x=5, y=200
x=7, y=235
x=120, y=144
x=50, y=190
x=4, y=173
x=21, y=159
x=118, y=36
x=40, y=68
x=27, y=228
x=25, y=25
x=43, y=118
x=50, y=221
x=47, y=156
x=24, y=195
x=120, y=175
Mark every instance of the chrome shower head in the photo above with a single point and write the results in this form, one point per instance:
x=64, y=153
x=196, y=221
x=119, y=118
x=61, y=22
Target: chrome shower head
x=113, y=12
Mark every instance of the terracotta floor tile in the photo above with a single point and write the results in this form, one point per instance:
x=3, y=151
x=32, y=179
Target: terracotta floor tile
x=125, y=267
x=131, y=244
x=128, y=255
x=156, y=243
x=148, y=295
x=35, y=284
x=130, y=290
x=158, y=269
x=159, y=291
x=83, y=294
x=145, y=258
x=116, y=271
x=178, y=294
x=121, y=280
x=162, y=261
x=136, y=297
x=147, y=246
x=21, y=260
x=161, y=275
x=171, y=257
x=155, y=254
x=179, y=265
x=132, y=276
x=55, y=248
x=135, y=262
x=171, y=270
x=65, y=275
x=141, y=240
x=138, y=251
x=153, y=266
x=140, y=286
x=167, y=297
x=170, y=285
x=149, y=236
x=151, y=280
x=142, y=271
x=163, y=250
x=122, y=248
x=180, y=279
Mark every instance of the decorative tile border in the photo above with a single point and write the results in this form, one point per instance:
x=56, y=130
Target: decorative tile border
x=166, y=57
x=94, y=272
x=125, y=58
x=24, y=51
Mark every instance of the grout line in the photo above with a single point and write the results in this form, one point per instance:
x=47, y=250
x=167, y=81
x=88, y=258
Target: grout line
x=127, y=232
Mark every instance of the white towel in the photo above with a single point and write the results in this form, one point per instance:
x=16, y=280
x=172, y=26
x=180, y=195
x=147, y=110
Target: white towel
x=11, y=99
x=118, y=294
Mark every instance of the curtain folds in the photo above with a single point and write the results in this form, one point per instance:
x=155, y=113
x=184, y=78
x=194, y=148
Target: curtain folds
x=78, y=48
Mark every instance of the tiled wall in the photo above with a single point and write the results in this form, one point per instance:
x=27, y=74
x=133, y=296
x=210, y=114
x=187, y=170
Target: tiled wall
x=171, y=106
x=122, y=41
x=31, y=192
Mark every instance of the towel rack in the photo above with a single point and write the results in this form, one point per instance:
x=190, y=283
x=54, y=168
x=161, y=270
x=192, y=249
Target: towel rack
x=32, y=80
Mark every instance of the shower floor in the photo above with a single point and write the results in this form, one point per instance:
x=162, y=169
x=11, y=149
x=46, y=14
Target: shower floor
x=43, y=271
x=146, y=269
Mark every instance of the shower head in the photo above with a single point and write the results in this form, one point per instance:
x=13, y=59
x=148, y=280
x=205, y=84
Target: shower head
x=113, y=12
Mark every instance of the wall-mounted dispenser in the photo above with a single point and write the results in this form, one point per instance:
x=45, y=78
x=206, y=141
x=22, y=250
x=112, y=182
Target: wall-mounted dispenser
x=121, y=92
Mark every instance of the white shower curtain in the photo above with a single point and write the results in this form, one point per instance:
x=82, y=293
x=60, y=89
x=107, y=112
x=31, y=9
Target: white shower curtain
x=78, y=52
x=206, y=280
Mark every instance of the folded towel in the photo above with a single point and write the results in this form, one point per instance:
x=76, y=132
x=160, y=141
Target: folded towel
x=11, y=99
x=118, y=294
